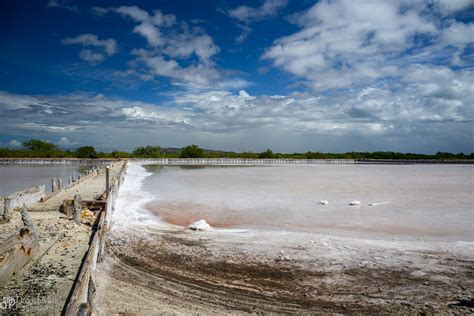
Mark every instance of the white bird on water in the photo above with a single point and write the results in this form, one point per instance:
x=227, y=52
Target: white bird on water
x=355, y=203
x=324, y=202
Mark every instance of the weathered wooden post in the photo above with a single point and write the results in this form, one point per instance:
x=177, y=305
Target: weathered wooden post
x=77, y=209
x=7, y=208
x=69, y=180
x=68, y=208
x=60, y=183
x=107, y=179
x=73, y=177
x=53, y=184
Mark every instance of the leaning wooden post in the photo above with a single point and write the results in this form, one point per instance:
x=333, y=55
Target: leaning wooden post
x=107, y=179
x=53, y=184
x=77, y=209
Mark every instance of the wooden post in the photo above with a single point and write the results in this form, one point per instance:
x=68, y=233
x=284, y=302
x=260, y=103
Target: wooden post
x=107, y=179
x=74, y=177
x=7, y=208
x=53, y=184
x=60, y=183
x=68, y=208
x=69, y=180
x=77, y=209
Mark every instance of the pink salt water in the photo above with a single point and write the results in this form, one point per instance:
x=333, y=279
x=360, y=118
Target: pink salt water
x=416, y=201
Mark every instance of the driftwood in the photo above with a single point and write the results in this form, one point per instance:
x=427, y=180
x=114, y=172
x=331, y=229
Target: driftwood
x=18, y=249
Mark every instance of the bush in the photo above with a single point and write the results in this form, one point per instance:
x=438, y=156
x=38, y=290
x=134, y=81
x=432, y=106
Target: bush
x=86, y=152
x=268, y=154
x=148, y=151
x=192, y=151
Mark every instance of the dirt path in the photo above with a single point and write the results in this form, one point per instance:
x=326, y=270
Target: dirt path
x=44, y=284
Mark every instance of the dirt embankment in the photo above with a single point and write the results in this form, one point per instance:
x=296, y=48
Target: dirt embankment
x=210, y=273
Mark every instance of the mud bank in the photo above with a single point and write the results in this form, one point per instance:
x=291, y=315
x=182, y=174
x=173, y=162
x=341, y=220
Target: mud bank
x=177, y=271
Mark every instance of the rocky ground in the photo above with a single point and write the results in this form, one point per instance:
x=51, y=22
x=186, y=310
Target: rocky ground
x=163, y=271
x=43, y=286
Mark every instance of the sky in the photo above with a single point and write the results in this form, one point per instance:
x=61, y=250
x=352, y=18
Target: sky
x=289, y=75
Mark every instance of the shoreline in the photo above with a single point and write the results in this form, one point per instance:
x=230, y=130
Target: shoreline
x=155, y=267
x=260, y=272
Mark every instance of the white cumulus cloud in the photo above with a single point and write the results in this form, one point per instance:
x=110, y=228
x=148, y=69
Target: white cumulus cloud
x=102, y=48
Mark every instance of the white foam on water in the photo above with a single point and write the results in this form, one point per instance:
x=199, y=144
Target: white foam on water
x=129, y=206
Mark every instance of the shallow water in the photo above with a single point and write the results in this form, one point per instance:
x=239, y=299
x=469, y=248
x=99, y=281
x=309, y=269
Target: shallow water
x=14, y=178
x=429, y=201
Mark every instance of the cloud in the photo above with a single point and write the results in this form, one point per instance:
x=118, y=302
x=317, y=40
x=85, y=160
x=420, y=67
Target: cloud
x=179, y=42
x=90, y=56
x=139, y=15
x=14, y=144
x=99, y=11
x=448, y=7
x=182, y=53
x=431, y=110
x=343, y=43
x=194, y=76
x=247, y=15
x=458, y=34
x=102, y=48
x=63, y=5
x=64, y=142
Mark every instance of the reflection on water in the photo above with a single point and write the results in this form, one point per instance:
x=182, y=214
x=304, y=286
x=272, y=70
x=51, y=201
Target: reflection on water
x=14, y=178
x=430, y=201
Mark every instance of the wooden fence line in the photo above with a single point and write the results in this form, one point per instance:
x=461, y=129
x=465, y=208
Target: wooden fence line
x=82, y=291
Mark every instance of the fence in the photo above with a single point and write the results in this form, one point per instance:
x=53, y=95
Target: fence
x=54, y=161
x=239, y=161
x=80, y=300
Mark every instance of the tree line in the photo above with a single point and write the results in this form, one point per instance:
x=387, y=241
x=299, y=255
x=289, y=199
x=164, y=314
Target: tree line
x=35, y=148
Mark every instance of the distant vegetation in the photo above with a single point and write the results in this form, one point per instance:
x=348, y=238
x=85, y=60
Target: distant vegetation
x=41, y=149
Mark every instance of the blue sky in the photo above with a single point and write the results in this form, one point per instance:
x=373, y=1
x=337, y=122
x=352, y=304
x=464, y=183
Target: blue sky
x=281, y=74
